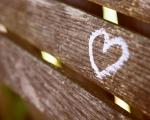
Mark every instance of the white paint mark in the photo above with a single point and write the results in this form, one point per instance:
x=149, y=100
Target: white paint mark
x=31, y=94
x=41, y=2
x=75, y=13
x=112, y=69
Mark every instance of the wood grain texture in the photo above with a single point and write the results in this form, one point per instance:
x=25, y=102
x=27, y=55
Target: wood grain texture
x=53, y=94
x=64, y=32
x=138, y=9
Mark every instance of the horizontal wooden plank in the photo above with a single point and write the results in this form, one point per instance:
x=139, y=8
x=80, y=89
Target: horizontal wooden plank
x=125, y=21
x=53, y=94
x=138, y=9
x=65, y=31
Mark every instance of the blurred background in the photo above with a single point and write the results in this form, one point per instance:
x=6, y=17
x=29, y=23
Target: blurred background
x=12, y=107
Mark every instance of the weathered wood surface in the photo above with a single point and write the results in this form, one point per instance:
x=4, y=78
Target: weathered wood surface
x=12, y=107
x=53, y=94
x=64, y=31
x=139, y=9
x=125, y=21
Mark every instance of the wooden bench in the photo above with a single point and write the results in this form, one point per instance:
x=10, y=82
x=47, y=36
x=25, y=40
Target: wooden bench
x=97, y=60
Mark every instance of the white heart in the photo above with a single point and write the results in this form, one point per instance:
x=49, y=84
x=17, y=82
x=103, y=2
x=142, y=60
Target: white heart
x=112, y=69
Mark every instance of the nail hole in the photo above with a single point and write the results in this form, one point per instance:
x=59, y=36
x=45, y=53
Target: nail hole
x=110, y=15
x=122, y=104
x=3, y=29
x=51, y=59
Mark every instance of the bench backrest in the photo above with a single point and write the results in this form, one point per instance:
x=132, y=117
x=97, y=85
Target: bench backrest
x=97, y=60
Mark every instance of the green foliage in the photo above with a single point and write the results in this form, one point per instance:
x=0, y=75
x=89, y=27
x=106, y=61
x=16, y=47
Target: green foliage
x=14, y=107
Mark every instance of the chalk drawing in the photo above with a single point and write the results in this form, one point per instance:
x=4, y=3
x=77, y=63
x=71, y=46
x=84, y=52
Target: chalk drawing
x=112, y=69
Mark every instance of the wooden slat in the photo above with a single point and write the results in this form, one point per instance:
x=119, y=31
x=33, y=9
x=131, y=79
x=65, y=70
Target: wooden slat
x=138, y=9
x=64, y=31
x=53, y=94
x=125, y=21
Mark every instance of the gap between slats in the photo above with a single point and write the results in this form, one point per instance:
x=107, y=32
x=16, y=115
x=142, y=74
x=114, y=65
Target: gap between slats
x=102, y=95
x=124, y=20
x=139, y=9
x=75, y=77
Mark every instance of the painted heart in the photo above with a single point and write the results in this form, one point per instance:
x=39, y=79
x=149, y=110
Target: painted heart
x=112, y=69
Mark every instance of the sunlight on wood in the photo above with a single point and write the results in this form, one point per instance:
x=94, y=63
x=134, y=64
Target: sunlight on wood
x=110, y=15
x=3, y=29
x=122, y=104
x=51, y=59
